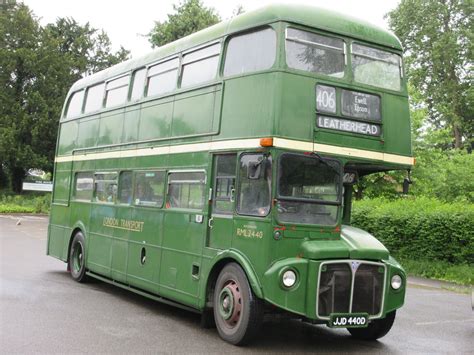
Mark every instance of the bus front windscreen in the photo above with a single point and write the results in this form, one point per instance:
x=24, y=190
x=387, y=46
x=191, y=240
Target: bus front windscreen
x=308, y=189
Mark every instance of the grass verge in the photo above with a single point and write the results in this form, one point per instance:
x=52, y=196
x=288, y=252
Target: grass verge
x=440, y=270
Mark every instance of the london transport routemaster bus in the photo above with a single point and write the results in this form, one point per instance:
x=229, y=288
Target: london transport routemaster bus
x=215, y=173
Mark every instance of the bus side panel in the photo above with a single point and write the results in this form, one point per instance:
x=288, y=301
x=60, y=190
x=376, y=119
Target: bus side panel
x=99, y=246
x=80, y=216
x=59, y=230
x=67, y=137
x=120, y=243
x=130, y=124
x=194, y=112
x=110, y=130
x=252, y=237
x=396, y=118
x=297, y=105
x=88, y=132
x=248, y=106
x=155, y=119
x=183, y=238
x=144, y=248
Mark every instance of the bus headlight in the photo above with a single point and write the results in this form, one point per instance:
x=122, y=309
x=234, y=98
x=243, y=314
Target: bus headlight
x=396, y=282
x=289, y=278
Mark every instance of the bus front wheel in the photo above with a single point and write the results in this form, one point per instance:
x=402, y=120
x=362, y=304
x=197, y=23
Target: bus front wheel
x=238, y=313
x=376, y=329
x=77, y=261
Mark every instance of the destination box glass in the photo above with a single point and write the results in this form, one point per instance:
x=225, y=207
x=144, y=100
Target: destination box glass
x=359, y=105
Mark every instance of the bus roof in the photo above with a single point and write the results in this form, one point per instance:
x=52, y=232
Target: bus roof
x=301, y=14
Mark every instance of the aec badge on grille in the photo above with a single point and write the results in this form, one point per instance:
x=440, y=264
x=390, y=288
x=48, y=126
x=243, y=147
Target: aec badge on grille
x=355, y=265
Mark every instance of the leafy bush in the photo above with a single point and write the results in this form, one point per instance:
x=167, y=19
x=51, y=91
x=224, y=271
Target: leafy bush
x=27, y=203
x=443, y=175
x=6, y=208
x=420, y=229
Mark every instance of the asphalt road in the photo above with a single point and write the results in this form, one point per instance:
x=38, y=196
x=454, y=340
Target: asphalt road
x=43, y=311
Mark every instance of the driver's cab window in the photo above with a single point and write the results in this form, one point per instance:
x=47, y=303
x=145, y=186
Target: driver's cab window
x=255, y=183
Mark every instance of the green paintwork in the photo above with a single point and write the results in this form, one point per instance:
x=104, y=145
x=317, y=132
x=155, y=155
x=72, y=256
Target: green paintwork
x=234, y=256
x=394, y=299
x=363, y=245
x=293, y=299
x=174, y=255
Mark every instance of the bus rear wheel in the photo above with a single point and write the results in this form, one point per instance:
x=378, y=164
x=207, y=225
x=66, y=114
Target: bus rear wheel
x=376, y=329
x=77, y=260
x=238, y=313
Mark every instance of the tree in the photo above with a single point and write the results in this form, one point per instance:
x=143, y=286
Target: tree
x=436, y=36
x=191, y=16
x=37, y=67
x=19, y=44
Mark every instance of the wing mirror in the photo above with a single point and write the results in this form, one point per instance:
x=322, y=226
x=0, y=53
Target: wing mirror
x=257, y=169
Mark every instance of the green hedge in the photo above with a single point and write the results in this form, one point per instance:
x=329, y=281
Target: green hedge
x=26, y=203
x=420, y=229
x=6, y=208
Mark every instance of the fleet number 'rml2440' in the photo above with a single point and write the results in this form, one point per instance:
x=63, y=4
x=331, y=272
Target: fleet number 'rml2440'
x=249, y=233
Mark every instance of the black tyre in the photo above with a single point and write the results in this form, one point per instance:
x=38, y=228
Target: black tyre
x=207, y=319
x=376, y=329
x=238, y=313
x=77, y=258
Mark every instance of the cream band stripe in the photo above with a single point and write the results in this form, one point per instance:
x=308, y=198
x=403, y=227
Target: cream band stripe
x=241, y=144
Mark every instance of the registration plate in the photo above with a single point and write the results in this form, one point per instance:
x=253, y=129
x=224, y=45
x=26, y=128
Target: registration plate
x=353, y=320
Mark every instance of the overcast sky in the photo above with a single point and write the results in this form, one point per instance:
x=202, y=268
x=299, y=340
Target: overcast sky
x=126, y=21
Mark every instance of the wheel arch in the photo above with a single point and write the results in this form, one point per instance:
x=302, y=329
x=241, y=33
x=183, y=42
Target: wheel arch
x=218, y=263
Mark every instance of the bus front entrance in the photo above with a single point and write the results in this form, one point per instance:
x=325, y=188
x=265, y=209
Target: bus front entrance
x=223, y=194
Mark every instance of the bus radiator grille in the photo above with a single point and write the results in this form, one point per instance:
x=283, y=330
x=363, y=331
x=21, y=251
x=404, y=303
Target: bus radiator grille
x=341, y=281
x=368, y=288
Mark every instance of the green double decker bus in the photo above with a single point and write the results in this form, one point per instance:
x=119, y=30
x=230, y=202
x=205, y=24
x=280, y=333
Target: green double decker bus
x=215, y=173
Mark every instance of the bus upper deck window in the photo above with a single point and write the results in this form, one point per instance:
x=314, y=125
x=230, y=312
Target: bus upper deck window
x=200, y=66
x=163, y=77
x=376, y=67
x=250, y=52
x=94, y=98
x=315, y=53
x=138, y=85
x=74, y=107
x=116, y=91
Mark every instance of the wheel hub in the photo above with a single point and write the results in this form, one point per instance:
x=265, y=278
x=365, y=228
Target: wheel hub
x=230, y=303
x=77, y=257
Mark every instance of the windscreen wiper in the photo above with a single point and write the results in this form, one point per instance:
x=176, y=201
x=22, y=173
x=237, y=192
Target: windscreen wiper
x=322, y=160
